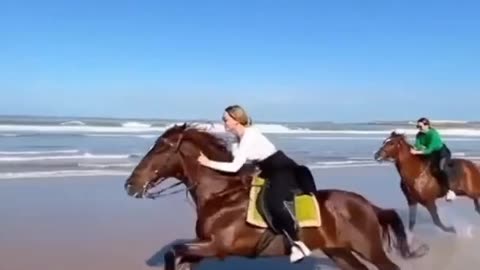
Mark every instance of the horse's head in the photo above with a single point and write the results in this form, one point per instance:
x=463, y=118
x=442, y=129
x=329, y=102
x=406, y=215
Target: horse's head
x=173, y=155
x=391, y=147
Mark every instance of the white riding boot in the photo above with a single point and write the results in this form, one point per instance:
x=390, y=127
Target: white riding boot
x=450, y=196
x=299, y=251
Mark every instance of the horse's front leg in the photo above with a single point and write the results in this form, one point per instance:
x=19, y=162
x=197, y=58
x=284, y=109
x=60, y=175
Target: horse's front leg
x=190, y=252
x=412, y=206
x=476, y=204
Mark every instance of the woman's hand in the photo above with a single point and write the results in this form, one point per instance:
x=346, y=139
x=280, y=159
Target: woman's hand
x=202, y=159
x=414, y=151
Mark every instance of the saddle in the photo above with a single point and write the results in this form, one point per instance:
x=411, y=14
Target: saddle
x=303, y=206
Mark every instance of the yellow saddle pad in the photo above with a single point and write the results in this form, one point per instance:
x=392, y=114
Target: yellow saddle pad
x=307, y=211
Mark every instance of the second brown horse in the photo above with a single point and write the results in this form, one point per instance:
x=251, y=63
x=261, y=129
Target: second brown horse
x=418, y=183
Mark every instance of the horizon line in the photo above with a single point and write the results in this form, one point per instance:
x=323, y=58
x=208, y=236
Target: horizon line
x=439, y=121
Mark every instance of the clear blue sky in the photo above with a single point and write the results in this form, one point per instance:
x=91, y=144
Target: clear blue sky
x=283, y=60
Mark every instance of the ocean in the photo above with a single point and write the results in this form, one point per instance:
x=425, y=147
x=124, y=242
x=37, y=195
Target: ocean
x=32, y=147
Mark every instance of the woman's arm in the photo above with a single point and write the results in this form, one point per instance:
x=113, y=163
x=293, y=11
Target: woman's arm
x=233, y=166
x=435, y=143
x=234, y=149
x=419, y=141
x=240, y=154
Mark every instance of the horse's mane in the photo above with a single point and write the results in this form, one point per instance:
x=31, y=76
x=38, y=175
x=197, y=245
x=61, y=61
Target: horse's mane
x=213, y=146
x=401, y=136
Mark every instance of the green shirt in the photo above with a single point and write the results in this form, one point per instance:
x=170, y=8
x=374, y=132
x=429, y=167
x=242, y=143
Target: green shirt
x=429, y=141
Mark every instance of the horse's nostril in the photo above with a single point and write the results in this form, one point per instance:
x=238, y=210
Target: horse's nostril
x=127, y=186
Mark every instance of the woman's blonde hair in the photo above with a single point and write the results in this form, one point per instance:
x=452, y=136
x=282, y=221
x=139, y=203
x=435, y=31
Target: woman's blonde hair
x=239, y=114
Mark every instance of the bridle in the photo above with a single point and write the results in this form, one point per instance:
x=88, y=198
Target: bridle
x=382, y=150
x=156, y=180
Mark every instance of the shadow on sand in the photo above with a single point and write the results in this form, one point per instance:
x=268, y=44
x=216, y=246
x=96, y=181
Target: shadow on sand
x=237, y=263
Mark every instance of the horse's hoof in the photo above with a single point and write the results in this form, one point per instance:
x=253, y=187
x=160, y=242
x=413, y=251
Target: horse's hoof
x=451, y=230
x=421, y=251
x=409, y=237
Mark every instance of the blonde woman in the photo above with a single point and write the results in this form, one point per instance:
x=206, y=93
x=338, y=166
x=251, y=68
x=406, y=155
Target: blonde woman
x=276, y=167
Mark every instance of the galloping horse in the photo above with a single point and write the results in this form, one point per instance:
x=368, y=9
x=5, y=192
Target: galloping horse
x=418, y=182
x=350, y=223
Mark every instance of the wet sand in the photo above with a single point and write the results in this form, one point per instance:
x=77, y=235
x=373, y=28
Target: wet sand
x=90, y=223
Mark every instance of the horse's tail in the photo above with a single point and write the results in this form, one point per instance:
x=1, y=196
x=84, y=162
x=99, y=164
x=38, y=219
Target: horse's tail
x=390, y=220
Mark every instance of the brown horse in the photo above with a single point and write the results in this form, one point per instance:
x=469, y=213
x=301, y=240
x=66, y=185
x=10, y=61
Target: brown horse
x=418, y=182
x=350, y=223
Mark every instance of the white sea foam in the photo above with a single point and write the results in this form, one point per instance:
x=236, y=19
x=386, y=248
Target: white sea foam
x=317, y=167
x=146, y=129
x=78, y=129
x=73, y=123
x=144, y=136
x=348, y=138
x=21, y=153
x=344, y=164
x=135, y=125
x=61, y=173
x=106, y=165
x=60, y=157
x=147, y=136
x=9, y=135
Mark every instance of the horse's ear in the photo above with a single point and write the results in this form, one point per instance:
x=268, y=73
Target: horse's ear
x=184, y=126
x=398, y=132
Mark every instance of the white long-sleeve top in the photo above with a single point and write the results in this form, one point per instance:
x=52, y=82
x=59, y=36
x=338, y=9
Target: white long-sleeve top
x=253, y=146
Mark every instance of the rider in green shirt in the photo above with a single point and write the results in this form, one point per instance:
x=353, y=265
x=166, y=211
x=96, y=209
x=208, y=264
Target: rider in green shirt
x=429, y=142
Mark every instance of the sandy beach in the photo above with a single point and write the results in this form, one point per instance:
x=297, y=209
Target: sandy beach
x=90, y=223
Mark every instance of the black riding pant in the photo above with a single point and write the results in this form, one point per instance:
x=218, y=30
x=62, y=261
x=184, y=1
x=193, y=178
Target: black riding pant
x=279, y=172
x=440, y=160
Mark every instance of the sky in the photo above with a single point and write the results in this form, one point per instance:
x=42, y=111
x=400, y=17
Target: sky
x=282, y=60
